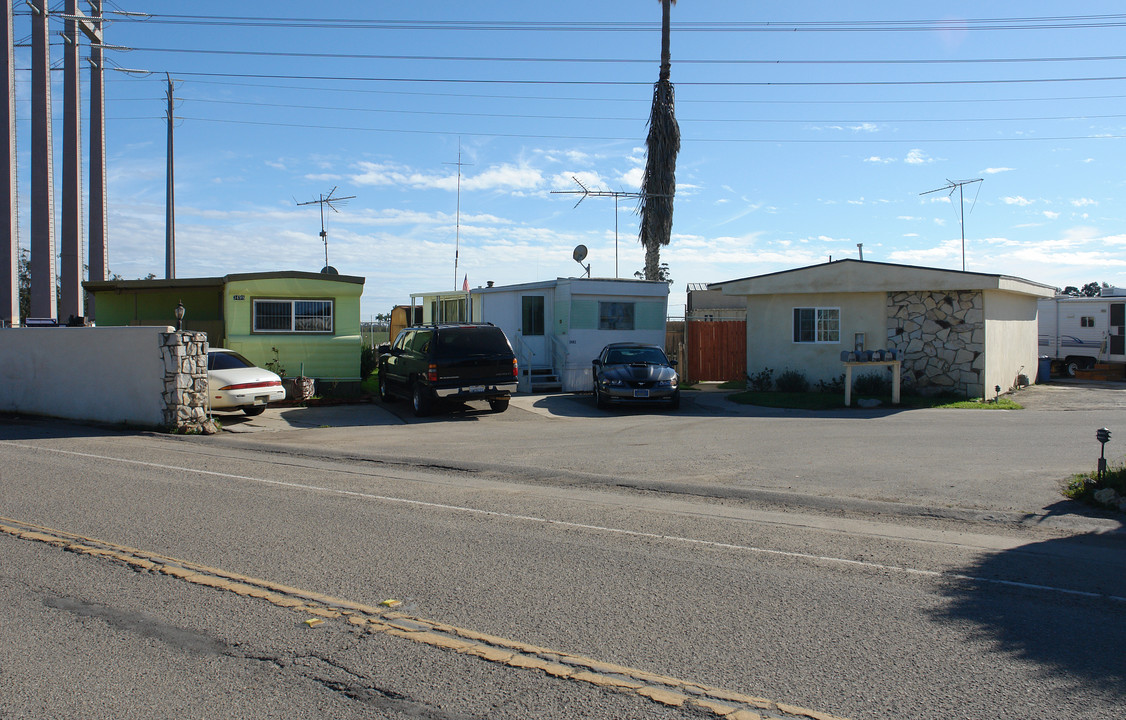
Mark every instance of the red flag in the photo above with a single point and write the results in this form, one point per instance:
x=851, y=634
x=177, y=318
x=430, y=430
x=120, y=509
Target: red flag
x=465, y=284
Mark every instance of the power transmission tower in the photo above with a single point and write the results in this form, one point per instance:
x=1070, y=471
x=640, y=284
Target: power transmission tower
x=331, y=202
x=951, y=186
x=586, y=192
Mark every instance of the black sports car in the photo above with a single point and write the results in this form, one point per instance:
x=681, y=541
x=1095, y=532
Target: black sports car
x=635, y=373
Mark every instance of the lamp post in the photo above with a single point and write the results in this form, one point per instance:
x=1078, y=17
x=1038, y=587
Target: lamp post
x=180, y=316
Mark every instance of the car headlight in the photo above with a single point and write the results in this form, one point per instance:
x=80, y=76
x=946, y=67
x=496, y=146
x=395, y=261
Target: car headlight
x=666, y=383
x=614, y=383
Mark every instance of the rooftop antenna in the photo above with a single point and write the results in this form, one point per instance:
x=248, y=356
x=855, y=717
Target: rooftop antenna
x=586, y=192
x=332, y=202
x=951, y=186
x=457, y=217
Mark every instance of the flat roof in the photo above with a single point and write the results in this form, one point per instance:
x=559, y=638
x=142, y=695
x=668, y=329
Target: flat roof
x=206, y=282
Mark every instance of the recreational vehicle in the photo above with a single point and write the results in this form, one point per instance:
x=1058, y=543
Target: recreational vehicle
x=1077, y=332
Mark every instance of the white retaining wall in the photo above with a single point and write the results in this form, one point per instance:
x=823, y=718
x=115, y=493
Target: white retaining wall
x=141, y=376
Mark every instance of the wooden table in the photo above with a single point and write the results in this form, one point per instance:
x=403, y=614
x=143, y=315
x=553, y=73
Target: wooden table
x=896, y=368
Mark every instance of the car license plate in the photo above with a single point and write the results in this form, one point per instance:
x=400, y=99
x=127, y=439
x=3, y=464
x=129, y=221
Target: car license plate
x=641, y=393
x=475, y=389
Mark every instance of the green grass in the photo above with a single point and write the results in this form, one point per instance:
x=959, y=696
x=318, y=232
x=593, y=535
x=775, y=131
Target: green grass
x=370, y=384
x=1083, y=486
x=835, y=401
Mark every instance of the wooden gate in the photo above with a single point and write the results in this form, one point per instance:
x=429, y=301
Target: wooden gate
x=716, y=350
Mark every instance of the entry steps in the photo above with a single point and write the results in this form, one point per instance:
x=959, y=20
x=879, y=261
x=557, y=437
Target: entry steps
x=544, y=380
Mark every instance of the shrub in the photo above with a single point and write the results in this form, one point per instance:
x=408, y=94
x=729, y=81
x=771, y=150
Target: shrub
x=369, y=359
x=835, y=386
x=792, y=381
x=761, y=381
x=872, y=384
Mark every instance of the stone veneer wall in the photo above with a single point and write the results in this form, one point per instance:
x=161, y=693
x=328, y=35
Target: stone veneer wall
x=942, y=338
x=185, y=379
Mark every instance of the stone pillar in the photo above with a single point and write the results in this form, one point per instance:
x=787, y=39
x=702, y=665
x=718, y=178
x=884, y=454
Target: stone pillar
x=185, y=382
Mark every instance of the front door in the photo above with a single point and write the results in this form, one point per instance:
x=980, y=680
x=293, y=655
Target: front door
x=532, y=330
x=1118, y=329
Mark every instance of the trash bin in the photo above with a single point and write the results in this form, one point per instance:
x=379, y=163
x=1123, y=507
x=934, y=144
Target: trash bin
x=1044, y=369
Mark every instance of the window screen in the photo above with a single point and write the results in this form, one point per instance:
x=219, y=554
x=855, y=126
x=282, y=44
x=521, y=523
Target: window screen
x=615, y=316
x=293, y=316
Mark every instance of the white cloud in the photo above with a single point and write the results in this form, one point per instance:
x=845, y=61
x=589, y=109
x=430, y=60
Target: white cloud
x=1050, y=215
x=994, y=171
x=1017, y=200
x=879, y=160
x=1084, y=202
x=917, y=157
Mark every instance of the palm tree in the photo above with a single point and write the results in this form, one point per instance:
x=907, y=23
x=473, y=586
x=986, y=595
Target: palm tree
x=658, y=185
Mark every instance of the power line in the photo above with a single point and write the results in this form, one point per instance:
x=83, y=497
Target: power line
x=969, y=24
x=645, y=61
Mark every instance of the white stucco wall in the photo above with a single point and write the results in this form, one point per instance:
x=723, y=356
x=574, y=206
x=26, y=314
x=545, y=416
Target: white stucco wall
x=1011, y=339
x=111, y=374
x=770, y=333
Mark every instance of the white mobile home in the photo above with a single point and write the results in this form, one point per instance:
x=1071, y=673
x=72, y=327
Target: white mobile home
x=557, y=327
x=1078, y=332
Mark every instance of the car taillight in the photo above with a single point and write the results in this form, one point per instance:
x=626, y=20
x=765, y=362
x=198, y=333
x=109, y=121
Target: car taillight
x=432, y=373
x=515, y=372
x=248, y=386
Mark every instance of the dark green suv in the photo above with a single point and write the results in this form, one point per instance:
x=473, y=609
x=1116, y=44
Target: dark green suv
x=456, y=362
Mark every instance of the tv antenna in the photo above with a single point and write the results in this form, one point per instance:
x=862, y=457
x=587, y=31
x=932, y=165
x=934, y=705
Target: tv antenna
x=585, y=192
x=951, y=186
x=332, y=202
x=457, y=217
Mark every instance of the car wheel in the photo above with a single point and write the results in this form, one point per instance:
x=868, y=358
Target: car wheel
x=675, y=404
x=422, y=401
x=600, y=401
x=1072, y=367
x=384, y=394
x=253, y=410
x=498, y=404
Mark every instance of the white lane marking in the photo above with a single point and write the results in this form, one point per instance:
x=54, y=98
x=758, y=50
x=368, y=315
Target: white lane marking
x=584, y=526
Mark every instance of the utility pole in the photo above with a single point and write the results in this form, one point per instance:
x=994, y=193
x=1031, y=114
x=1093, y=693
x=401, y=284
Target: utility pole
x=322, y=201
x=170, y=197
x=951, y=186
x=605, y=193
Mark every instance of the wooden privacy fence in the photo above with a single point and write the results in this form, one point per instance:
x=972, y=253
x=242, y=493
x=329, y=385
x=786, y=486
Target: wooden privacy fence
x=715, y=350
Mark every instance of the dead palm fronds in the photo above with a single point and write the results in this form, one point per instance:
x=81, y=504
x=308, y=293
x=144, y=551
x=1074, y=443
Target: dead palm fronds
x=658, y=185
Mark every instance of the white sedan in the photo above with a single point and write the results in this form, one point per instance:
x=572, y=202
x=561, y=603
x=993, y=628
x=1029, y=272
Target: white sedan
x=234, y=382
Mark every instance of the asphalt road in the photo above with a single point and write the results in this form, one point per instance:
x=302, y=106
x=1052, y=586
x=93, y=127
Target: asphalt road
x=672, y=546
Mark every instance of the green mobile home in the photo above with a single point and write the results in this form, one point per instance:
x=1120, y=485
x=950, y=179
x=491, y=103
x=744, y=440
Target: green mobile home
x=311, y=319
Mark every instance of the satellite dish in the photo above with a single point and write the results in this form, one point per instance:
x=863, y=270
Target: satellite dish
x=579, y=254
x=329, y=270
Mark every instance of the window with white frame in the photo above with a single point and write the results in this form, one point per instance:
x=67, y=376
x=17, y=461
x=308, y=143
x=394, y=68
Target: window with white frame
x=817, y=325
x=293, y=316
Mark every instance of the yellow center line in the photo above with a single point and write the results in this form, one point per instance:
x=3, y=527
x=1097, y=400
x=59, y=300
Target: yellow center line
x=512, y=653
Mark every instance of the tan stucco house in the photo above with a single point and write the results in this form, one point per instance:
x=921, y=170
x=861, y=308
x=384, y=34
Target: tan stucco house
x=963, y=332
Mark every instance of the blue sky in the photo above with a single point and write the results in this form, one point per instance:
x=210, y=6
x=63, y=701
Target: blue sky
x=807, y=128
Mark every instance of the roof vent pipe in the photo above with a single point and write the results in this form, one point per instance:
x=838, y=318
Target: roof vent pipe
x=860, y=247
